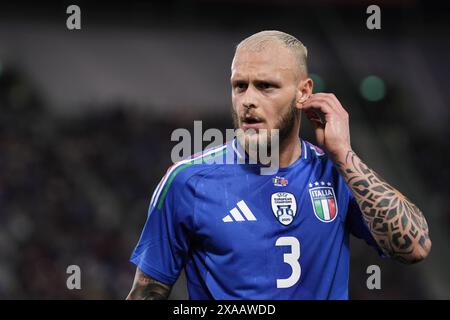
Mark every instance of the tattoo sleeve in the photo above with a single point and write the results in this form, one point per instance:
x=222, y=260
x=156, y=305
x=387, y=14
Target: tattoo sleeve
x=146, y=288
x=397, y=224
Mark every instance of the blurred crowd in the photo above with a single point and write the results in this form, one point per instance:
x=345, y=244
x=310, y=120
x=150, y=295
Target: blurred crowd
x=72, y=191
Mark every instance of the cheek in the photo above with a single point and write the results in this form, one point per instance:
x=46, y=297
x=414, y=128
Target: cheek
x=273, y=113
x=235, y=101
x=276, y=112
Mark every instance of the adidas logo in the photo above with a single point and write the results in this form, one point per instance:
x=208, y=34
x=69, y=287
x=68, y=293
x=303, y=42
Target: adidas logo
x=235, y=214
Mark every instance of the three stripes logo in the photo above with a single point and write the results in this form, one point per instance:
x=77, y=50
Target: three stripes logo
x=240, y=213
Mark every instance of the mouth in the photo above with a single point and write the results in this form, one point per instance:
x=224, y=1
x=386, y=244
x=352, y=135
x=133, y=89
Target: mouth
x=251, y=122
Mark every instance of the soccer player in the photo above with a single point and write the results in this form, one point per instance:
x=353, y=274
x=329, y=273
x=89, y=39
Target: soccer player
x=240, y=234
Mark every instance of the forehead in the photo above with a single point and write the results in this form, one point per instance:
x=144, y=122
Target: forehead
x=273, y=60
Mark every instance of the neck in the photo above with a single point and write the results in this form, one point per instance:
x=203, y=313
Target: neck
x=290, y=151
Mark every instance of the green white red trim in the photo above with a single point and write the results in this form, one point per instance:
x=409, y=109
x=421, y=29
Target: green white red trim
x=164, y=185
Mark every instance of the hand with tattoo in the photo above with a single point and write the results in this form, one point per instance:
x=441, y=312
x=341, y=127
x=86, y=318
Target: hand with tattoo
x=397, y=225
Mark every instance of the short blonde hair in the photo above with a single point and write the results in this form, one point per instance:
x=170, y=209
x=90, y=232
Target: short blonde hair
x=259, y=40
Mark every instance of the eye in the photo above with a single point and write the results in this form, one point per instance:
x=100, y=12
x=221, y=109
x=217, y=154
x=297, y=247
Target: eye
x=264, y=85
x=240, y=86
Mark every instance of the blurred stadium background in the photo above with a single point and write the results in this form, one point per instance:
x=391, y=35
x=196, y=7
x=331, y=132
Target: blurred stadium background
x=86, y=118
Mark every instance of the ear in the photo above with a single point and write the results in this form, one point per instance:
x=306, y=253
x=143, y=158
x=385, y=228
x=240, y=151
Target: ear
x=304, y=91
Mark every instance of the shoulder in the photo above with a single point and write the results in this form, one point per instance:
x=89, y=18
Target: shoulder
x=321, y=161
x=313, y=152
x=181, y=177
x=196, y=166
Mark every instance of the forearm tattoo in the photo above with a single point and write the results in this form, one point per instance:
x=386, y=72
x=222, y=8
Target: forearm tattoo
x=397, y=224
x=146, y=288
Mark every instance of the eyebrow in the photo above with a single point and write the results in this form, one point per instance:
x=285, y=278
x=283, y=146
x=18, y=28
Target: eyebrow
x=268, y=81
x=256, y=81
x=262, y=76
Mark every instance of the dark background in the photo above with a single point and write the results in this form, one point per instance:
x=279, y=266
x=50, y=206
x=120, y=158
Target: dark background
x=86, y=118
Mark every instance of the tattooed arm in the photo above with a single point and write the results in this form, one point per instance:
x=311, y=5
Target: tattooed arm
x=146, y=288
x=397, y=225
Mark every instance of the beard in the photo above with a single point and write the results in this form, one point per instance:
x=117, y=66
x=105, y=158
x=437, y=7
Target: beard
x=285, y=124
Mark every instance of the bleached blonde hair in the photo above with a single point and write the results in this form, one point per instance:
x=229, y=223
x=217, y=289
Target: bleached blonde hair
x=259, y=41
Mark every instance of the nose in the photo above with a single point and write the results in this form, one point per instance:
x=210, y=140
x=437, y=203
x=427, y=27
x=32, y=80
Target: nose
x=249, y=100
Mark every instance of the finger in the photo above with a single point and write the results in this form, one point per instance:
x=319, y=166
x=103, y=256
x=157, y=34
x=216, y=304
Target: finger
x=315, y=118
x=330, y=99
x=338, y=104
x=334, y=102
x=319, y=104
x=319, y=133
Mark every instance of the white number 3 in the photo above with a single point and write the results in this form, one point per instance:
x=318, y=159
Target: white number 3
x=292, y=260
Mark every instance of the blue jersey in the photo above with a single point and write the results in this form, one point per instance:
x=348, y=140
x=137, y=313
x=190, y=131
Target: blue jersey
x=243, y=235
